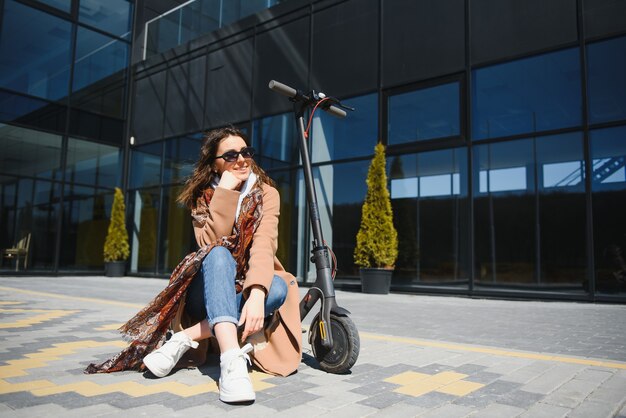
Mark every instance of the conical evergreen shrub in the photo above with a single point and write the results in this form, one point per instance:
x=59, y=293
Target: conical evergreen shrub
x=377, y=239
x=116, y=243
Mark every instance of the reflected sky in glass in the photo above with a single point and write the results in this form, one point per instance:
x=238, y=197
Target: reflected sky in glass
x=428, y=113
x=528, y=95
x=607, y=80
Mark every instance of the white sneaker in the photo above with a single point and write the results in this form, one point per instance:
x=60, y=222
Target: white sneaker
x=161, y=361
x=235, y=383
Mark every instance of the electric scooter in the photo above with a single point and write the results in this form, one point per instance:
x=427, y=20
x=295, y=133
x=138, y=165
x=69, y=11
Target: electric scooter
x=332, y=335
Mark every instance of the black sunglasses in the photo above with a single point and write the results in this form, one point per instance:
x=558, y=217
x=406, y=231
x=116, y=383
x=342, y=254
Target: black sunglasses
x=232, y=156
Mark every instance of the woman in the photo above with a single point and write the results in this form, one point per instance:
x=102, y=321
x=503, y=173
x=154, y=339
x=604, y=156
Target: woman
x=241, y=285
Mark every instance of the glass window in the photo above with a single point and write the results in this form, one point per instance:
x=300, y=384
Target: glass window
x=353, y=136
x=34, y=61
x=86, y=214
x=8, y=199
x=562, y=209
x=340, y=211
x=608, y=154
x=29, y=153
x=144, y=212
x=59, y=4
x=291, y=239
x=529, y=213
x=529, y=95
x=32, y=112
x=145, y=167
x=32, y=208
x=428, y=113
x=93, y=163
x=177, y=237
x=275, y=140
x=180, y=156
x=97, y=57
x=113, y=16
x=504, y=213
x=607, y=80
x=429, y=200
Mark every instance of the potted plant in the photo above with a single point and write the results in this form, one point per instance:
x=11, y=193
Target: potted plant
x=116, y=248
x=377, y=240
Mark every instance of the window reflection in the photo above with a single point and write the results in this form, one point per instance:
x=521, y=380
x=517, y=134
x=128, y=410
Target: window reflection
x=26, y=152
x=93, y=163
x=428, y=113
x=529, y=213
x=59, y=4
x=113, y=16
x=291, y=239
x=275, y=139
x=30, y=208
x=353, y=136
x=146, y=165
x=340, y=204
x=529, y=95
x=144, y=209
x=34, y=61
x=608, y=153
x=180, y=157
x=607, y=80
x=197, y=18
x=86, y=214
x=97, y=57
x=429, y=200
x=32, y=112
x=177, y=238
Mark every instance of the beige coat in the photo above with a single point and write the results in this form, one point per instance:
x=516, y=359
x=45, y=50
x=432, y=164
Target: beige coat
x=279, y=351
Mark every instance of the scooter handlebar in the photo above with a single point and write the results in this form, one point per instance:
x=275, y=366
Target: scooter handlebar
x=292, y=93
x=283, y=89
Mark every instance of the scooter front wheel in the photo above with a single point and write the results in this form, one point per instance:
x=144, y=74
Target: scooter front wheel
x=346, y=344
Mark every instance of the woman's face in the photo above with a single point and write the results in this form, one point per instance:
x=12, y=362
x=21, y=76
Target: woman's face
x=241, y=167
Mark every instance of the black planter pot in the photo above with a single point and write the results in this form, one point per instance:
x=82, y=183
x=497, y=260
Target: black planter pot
x=115, y=268
x=376, y=281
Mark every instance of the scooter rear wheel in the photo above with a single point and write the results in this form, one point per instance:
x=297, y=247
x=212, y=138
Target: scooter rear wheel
x=346, y=344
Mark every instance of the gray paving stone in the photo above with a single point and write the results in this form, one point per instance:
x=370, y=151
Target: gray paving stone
x=571, y=393
x=549, y=382
x=449, y=411
x=519, y=398
x=383, y=400
x=496, y=410
x=290, y=400
x=352, y=411
x=375, y=388
x=542, y=410
x=470, y=369
x=483, y=377
x=593, y=408
x=430, y=400
x=594, y=375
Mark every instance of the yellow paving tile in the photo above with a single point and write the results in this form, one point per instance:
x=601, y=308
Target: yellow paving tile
x=110, y=327
x=447, y=377
x=6, y=387
x=460, y=388
x=407, y=378
x=419, y=388
x=47, y=315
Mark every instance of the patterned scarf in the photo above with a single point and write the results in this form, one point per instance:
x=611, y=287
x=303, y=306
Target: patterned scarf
x=147, y=329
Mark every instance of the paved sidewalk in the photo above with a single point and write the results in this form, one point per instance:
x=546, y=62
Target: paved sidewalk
x=427, y=356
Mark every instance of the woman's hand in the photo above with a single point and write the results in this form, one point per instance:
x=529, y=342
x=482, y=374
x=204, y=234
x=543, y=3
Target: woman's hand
x=229, y=181
x=253, y=312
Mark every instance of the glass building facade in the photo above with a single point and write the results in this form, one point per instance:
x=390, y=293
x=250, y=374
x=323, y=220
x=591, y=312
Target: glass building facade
x=506, y=138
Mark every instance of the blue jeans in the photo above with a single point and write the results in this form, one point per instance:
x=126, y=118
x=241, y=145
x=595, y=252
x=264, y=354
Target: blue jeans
x=211, y=294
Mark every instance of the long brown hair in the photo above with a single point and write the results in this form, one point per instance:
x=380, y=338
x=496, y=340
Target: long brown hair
x=203, y=172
